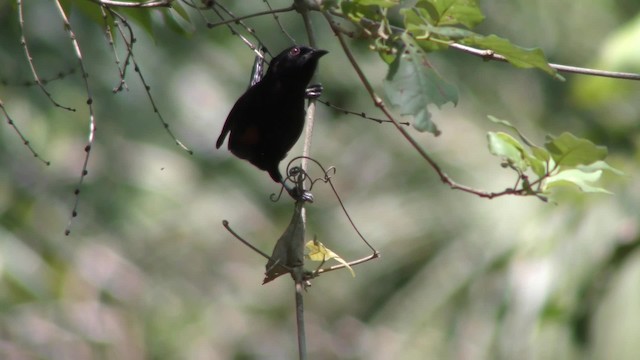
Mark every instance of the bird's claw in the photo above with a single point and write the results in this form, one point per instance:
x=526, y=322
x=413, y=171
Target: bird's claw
x=299, y=194
x=306, y=196
x=313, y=91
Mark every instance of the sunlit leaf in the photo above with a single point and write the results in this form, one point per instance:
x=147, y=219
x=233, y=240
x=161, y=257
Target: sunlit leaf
x=579, y=178
x=599, y=165
x=537, y=157
x=504, y=145
x=568, y=150
x=512, y=127
x=316, y=251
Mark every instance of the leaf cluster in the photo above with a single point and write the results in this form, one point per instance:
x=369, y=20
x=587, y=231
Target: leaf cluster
x=412, y=83
x=564, y=160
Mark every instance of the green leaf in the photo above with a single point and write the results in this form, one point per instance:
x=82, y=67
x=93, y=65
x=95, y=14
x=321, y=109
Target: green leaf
x=356, y=11
x=517, y=56
x=570, y=151
x=412, y=84
x=575, y=177
x=538, y=158
x=599, y=165
x=180, y=10
x=453, y=12
x=316, y=251
x=540, y=161
x=175, y=23
x=504, y=145
x=381, y=3
x=508, y=124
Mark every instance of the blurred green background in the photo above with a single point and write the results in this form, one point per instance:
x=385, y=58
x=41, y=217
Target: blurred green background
x=149, y=272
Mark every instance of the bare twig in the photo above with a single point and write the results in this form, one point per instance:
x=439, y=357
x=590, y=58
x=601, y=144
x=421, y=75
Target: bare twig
x=358, y=114
x=298, y=276
x=22, y=137
x=226, y=225
x=146, y=4
x=254, y=48
x=277, y=19
x=112, y=45
x=92, y=121
x=36, y=77
x=237, y=20
x=59, y=76
x=129, y=43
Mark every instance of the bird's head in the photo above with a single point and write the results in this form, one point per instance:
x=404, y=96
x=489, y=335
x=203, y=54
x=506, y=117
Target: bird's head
x=297, y=62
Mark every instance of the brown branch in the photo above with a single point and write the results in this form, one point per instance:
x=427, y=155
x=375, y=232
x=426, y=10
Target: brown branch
x=379, y=103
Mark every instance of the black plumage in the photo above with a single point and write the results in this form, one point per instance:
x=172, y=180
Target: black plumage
x=268, y=118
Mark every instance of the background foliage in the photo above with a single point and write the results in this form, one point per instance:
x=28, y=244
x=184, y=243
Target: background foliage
x=149, y=271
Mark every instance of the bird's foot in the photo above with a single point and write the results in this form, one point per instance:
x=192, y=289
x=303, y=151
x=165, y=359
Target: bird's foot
x=300, y=195
x=313, y=91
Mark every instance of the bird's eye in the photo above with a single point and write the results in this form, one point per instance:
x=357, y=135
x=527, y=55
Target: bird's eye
x=295, y=51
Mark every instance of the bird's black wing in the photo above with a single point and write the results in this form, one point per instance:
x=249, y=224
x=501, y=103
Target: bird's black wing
x=238, y=114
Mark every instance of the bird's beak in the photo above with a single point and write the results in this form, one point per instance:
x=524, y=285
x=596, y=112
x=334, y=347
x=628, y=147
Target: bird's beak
x=316, y=53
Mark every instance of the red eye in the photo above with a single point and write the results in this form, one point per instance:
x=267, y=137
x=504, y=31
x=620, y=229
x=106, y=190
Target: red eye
x=295, y=51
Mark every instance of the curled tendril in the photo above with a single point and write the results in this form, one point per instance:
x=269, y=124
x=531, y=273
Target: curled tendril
x=296, y=174
x=276, y=196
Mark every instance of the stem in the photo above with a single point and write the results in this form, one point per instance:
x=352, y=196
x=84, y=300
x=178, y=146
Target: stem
x=302, y=339
x=298, y=273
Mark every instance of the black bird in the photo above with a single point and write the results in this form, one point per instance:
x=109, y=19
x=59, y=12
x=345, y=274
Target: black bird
x=268, y=118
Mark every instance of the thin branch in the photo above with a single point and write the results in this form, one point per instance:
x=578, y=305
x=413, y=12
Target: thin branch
x=92, y=121
x=491, y=55
x=240, y=18
x=146, y=4
x=226, y=225
x=38, y=81
x=22, y=137
x=277, y=19
x=59, y=76
x=302, y=8
x=112, y=45
x=250, y=30
x=129, y=43
x=361, y=114
x=318, y=272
